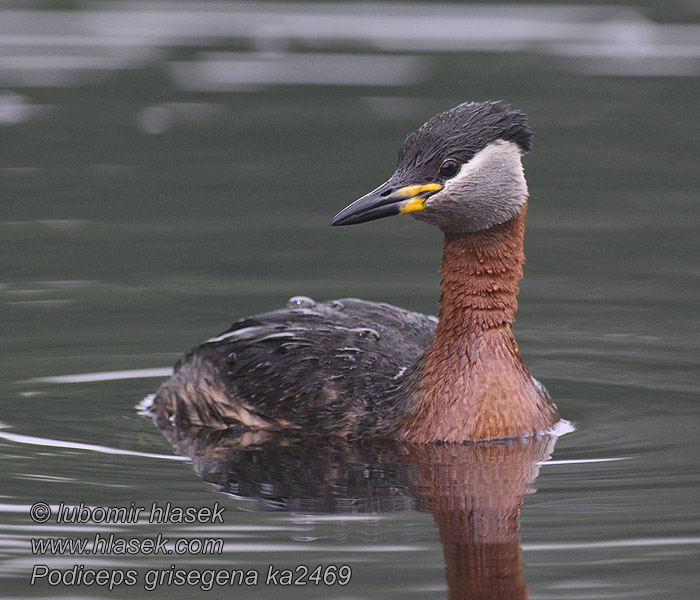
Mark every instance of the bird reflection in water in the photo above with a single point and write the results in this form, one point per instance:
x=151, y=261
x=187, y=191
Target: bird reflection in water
x=473, y=491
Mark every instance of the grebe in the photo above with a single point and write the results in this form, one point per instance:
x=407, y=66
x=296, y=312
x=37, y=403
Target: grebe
x=361, y=369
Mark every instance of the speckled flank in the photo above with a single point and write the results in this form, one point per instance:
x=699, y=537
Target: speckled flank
x=196, y=396
x=472, y=383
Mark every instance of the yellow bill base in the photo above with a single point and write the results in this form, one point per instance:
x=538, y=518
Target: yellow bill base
x=412, y=206
x=412, y=191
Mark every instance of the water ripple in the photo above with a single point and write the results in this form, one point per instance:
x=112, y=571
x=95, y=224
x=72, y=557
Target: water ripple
x=39, y=441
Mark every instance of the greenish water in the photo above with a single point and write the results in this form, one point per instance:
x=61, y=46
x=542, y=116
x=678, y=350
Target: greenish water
x=147, y=203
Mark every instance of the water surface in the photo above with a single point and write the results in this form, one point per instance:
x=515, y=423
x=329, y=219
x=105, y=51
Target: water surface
x=169, y=167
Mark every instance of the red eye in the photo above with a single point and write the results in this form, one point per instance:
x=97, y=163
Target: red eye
x=449, y=168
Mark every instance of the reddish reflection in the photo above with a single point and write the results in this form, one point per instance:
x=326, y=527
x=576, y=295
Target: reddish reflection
x=474, y=492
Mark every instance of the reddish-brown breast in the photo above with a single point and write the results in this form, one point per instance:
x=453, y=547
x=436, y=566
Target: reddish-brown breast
x=472, y=383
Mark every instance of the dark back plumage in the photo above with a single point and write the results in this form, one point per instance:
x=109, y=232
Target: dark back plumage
x=315, y=368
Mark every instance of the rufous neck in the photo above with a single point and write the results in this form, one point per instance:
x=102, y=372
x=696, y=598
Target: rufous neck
x=480, y=273
x=470, y=383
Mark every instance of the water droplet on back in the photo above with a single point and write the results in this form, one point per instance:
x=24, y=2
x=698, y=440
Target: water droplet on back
x=301, y=302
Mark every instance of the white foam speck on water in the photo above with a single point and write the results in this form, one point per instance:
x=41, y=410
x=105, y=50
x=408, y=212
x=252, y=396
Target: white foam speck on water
x=561, y=427
x=144, y=406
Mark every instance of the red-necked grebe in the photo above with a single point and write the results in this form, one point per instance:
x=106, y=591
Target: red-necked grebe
x=358, y=369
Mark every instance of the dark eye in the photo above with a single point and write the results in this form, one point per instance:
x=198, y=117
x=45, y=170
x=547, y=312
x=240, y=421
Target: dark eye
x=449, y=168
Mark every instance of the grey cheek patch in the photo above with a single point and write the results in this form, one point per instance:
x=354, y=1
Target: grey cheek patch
x=488, y=190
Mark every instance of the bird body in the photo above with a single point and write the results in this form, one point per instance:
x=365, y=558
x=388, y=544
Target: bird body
x=360, y=369
x=313, y=368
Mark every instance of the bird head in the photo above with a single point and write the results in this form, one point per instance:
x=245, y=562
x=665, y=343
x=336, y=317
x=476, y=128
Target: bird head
x=461, y=172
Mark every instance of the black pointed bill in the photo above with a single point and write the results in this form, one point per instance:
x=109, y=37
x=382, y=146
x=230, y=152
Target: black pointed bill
x=387, y=200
